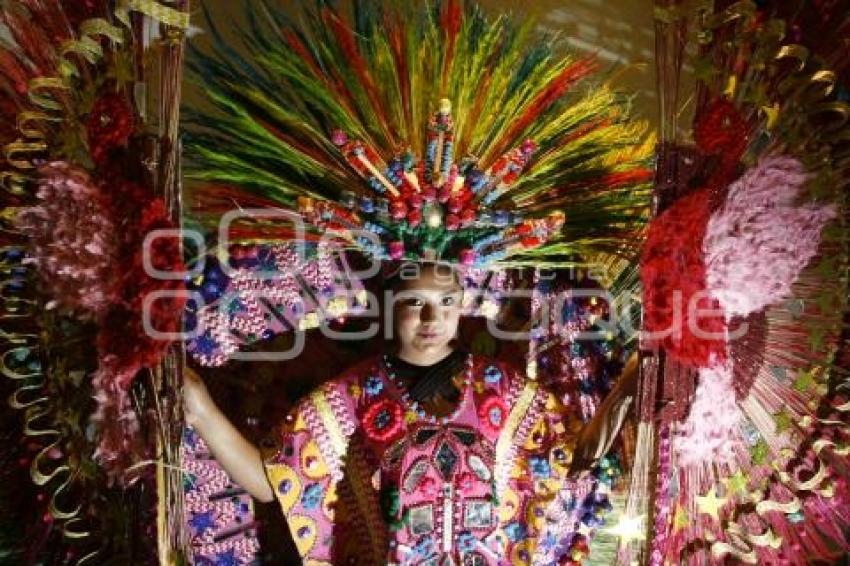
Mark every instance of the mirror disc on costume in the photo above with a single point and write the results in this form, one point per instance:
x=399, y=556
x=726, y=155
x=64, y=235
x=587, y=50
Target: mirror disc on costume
x=521, y=554
x=329, y=502
x=508, y=506
x=304, y=532
x=423, y=435
x=477, y=465
x=415, y=474
x=312, y=463
x=547, y=488
x=560, y=459
x=535, y=515
x=537, y=436
x=446, y=460
x=466, y=437
x=287, y=485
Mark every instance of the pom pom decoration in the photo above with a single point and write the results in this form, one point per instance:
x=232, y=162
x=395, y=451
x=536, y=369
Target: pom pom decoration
x=755, y=247
x=759, y=241
x=119, y=442
x=124, y=334
x=721, y=130
x=71, y=240
x=109, y=126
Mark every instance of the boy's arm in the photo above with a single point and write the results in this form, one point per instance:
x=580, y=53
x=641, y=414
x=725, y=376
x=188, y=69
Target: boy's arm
x=239, y=458
x=596, y=437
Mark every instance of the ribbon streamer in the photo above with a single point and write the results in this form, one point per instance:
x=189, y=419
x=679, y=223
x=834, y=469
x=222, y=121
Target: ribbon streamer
x=743, y=544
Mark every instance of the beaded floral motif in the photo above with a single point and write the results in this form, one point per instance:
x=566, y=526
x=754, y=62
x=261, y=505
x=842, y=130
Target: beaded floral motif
x=383, y=421
x=448, y=475
x=373, y=386
x=492, y=413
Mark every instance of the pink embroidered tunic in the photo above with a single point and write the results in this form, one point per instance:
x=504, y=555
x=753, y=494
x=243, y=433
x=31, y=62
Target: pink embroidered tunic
x=366, y=477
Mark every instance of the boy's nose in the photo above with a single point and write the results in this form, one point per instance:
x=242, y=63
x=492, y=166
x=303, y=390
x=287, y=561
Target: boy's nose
x=428, y=313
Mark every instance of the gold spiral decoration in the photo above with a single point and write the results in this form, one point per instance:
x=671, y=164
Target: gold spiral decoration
x=797, y=52
x=49, y=97
x=743, y=544
x=36, y=408
x=155, y=10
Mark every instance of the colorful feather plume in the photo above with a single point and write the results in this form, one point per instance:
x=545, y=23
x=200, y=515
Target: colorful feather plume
x=446, y=134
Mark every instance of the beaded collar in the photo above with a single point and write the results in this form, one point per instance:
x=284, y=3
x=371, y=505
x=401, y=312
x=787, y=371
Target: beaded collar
x=415, y=406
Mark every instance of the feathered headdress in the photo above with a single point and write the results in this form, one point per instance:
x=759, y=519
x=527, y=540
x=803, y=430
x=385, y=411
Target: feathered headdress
x=414, y=131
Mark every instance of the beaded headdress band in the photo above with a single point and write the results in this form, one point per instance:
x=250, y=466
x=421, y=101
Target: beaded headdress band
x=435, y=208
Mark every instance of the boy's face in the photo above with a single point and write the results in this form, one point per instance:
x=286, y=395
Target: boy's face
x=426, y=313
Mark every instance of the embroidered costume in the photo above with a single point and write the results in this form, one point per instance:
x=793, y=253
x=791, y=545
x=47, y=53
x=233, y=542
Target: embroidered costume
x=365, y=477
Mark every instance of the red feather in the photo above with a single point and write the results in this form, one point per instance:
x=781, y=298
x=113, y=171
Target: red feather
x=296, y=142
x=395, y=32
x=583, y=130
x=12, y=71
x=348, y=44
x=32, y=40
x=298, y=47
x=615, y=180
x=215, y=197
x=333, y=82
x=544, y=100
x=625, y=178
x=450, y=21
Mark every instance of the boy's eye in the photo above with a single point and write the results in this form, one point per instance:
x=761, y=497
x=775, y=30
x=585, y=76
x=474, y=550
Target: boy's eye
x=413, y=302
x=448, y=301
